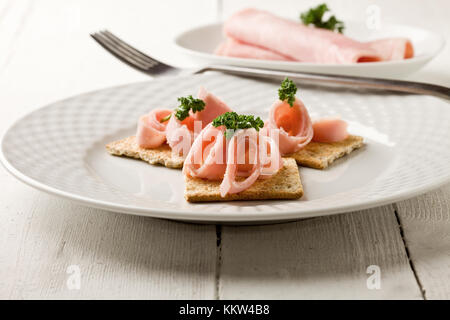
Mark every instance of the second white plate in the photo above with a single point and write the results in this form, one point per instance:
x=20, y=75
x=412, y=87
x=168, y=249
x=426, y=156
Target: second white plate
x=199, y=44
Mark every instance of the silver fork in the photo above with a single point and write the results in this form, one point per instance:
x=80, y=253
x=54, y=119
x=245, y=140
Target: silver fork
x=150, y=66
x=131, y=56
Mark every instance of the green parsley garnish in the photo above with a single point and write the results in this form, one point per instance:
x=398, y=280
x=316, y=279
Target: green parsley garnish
x=315, y=15
x=186, y=104
x=165, y=118
x=287, y=91
x=233, y=121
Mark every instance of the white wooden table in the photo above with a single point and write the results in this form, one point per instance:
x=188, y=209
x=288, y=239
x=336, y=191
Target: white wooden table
x=46, y=54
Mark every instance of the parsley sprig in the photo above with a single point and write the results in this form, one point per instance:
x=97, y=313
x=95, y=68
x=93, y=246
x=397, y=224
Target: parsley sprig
x=314, y=16
x=186, y=104
x=233, y=121
x=287, y=91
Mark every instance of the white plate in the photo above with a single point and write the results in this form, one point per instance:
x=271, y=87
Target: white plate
x=199, y=43
x=61, y=149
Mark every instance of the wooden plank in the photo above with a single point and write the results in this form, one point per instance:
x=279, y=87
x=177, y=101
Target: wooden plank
x=321, y=258
x=119, y=256
x=426, y=226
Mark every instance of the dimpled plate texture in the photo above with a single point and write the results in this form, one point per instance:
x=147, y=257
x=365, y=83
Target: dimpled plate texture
x=61, y=149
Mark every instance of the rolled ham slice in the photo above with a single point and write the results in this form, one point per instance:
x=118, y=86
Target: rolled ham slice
x=214, y=107
x=151, y=133
x=247, y=154
x=393, y=48
x=295, y=40
x=179, y=135
x=290, y=126
x=269, y=155
x=207, y=157
x=236, y=49
x=241, y=161
x=329, y=130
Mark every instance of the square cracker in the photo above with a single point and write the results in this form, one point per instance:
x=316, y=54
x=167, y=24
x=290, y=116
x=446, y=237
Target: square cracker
x=285, y=184
x=319, y=155
x=162, y=155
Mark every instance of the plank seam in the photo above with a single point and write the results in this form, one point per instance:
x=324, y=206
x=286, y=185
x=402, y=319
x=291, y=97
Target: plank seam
x=218, y=261
x=411, y=263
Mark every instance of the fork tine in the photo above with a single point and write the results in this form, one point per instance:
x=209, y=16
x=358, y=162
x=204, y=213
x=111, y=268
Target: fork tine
x=126, y=51
x=131, y=56
x=119, y=55
x=130, y=49
x=123, y=52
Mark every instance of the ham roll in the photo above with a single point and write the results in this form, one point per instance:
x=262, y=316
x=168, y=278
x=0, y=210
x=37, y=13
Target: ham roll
x=179, y=135
x=329, y=130
x=238, y=163
x=393, y=48
x=295, y=40
x=290, y=126
x=236, y=49
x=257, y=34
x=151, y=133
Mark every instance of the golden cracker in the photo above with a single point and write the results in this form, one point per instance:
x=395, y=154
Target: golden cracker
x=285, y=184
x=162, y=155
x=319, y=155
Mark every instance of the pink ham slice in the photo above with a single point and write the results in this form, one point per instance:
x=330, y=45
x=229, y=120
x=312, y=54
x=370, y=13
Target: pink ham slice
x=214, y=107
x=269, y=155
x=211, y=157
x=207, y=157
x=151, y=133
x=295, y=40
x=236, y=162
x=236, y=49
x=393, y=48
x=329, y=130
x=179, y=135
x=291, y=126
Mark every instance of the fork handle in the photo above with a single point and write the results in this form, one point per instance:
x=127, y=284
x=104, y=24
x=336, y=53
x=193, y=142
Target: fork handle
x=318, y=78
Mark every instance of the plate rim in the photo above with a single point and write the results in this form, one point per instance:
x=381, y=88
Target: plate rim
x=421, y=59
x=202, y=216
x=285, y=215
